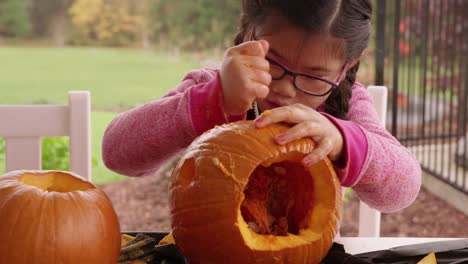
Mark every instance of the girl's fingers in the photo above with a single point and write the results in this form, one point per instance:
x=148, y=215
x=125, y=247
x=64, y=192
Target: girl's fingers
x=301, y=130
x=258, y=76
x=255, y=62
x=258, y=89
x=323, y=148
x=255, y=84
x=251, y=48
x=289, y=114
x=265, y=46
x=241, y=107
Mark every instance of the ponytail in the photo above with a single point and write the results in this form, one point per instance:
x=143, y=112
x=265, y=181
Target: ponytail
x=337, y=104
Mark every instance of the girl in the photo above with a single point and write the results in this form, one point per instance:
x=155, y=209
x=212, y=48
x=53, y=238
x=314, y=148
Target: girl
x=298, y=59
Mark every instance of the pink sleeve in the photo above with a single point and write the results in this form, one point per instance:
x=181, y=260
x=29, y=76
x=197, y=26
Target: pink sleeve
x=349, y=167
x=208, y=113
x=389, y=179
x=139, y=141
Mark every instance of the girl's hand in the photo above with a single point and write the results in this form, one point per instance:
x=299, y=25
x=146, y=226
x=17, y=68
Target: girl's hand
x=245, y=76
x=309, y=123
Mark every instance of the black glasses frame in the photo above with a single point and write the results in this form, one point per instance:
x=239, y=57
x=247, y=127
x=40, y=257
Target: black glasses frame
x=286, y=71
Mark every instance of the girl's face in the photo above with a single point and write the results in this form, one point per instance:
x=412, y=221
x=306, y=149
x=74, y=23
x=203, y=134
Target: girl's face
x=299, y=52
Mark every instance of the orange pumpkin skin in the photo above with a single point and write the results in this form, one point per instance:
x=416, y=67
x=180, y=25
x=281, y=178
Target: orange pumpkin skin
x=207, y=190
x=55, y=217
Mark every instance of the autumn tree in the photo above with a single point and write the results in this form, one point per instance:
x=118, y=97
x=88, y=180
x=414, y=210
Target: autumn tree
x=112, y=22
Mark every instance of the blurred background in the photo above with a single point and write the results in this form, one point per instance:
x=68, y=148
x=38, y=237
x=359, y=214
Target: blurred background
x=127, y=53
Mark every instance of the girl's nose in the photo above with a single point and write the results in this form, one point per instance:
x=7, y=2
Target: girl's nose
x=284, y=87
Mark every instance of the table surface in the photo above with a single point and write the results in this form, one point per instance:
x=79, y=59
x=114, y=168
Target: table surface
x=356, y=245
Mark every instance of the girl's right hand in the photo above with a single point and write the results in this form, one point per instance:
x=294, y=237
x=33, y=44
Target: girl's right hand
x=245, y=76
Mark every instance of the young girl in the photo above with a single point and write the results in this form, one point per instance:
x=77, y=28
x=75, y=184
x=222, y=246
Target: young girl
x=298, y=59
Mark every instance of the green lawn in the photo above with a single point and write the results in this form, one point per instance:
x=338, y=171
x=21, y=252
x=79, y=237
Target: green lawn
x=117, y=79
x=99, y=123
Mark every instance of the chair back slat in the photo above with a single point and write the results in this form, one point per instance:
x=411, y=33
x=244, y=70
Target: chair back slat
x=34, y=120
x=369, y=218
x=379, y=96
x=80, y=133
x=23, y=126
x=23, y=153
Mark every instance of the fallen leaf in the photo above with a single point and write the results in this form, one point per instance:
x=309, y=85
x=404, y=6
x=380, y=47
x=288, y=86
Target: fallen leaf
x=429, y=259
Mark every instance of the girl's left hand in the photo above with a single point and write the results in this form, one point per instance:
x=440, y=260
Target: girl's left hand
x=309, y=123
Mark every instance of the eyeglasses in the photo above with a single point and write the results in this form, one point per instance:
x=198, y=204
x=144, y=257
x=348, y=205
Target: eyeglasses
x=306, y=83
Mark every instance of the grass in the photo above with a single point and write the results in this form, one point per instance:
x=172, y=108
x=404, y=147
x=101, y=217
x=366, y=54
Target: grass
x=117, y=78
x=100, y=174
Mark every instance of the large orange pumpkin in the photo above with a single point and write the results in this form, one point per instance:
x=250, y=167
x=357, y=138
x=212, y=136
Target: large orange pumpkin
x=238, y=197
x=55, y=217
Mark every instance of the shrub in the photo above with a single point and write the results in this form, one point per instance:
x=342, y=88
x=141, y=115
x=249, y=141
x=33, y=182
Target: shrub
x=14, y=18
x=105, y=22
x=194, y=25
x=55, y=153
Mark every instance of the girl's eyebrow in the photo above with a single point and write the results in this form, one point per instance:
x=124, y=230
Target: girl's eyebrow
x=317, y=69
x=307, y=69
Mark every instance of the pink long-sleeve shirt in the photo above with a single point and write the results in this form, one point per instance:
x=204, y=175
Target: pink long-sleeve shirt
x=382, y=172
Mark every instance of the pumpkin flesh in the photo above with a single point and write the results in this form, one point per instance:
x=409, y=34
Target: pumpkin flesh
x=236, y=175
x=314, y=214
x=55, y=182
x=277, y=199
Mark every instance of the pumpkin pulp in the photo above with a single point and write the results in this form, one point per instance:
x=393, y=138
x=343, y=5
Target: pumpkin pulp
x=56, y=182
x=278, y=198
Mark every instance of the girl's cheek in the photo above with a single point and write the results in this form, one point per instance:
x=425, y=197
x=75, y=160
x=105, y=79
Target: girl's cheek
x=309, y=100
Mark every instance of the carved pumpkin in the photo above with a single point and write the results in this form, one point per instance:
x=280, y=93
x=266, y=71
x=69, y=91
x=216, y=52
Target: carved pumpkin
x=55, y=217
x=238, y=197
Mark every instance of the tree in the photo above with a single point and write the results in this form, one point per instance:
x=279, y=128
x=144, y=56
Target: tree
x=195, y=24
x=114, y=22
x=50, y=18
x=14, y=18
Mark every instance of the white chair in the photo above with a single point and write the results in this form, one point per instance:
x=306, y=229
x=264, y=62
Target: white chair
x=369, y=219
x=23, y=126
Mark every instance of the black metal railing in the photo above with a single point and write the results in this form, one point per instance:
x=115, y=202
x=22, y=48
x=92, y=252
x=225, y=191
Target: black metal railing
x=422, y=57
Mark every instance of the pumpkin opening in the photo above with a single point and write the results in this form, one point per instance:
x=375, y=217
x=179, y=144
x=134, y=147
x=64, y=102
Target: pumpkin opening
x=278, y=198
x=56, y=182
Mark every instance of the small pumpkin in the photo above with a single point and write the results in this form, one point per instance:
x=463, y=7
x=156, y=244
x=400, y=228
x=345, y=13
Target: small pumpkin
x=56, y=217
x=236, y=196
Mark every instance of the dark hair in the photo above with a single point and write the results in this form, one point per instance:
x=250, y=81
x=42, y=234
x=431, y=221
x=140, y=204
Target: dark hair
x=348, y=20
